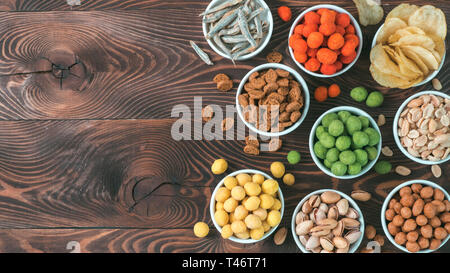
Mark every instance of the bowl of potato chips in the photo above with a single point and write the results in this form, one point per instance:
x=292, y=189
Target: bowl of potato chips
x=409, y=48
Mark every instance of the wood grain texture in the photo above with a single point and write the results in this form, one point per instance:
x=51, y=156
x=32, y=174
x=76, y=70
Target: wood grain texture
x=86, y=152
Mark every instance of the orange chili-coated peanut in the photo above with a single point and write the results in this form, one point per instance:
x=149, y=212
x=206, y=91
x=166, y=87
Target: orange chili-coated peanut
x=328, y=69
x=326, y=56
x=335, y=41
x=299, y=29
x=285, y=13
x=338, y=65
x=347, y=59
x=321, y=93
x=308, y=29
x=352, y=37
x=312, y=18
x=311, y=52
x=315, y=40
x=340, y=30
x=343, y=19
x=294, y=37
x=334, y=90
x=321, y=11
x=348, y=48
x=300, y=45
x=350, y=29
x=328, y=17
x=327, y=29
x=301, y=57
x=312, y=64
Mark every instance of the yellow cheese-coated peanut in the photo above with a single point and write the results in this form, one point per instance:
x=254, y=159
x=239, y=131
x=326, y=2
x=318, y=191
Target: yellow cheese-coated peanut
x=267, y=201
x=276, y=205
x=277, y=169
x=266, y=226
x=201, y=229
x=252, y=189
x=230, y=182
x=230, y=204
x=219, y=205
x=289, y=179
x=274, y=218
x=257, y=233
x=252, y=221
x=238, y=226
x=252, y=203
x=222, y=194
x=258, y=178
x=238, y=193
x=243, y=235
x=270, y=186
x=221, y=217
x=240, y=212
x=219, y=166
x=261, y=213
x=226, y=231
x=232, y=218
x=243, y=178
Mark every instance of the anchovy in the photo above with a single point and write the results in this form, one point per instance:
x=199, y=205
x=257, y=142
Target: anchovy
x=211, y=18
x=244, y=51
x=259, y=28
x=222, y=46
x=239, y=46
x=201, y=53
x=226, y=19
x=222, y=6
x=243, y=25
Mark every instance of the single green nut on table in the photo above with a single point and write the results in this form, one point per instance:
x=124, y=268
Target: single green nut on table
x=320, y=150
x=344, y=115
x=375, y=99
x=353, y=124
x=343, y=143
x=327, y=140
x=374, y=136
x=359, y=94
x=354, y=168
x=327, y=164
x=347, y=157
x=371, y=152
x=320, y=129
x=338, y=168
x=336, y=128
x=364, y=121
x=361, y=157
x=328, y=118
x=332, y=155
x=360, y=139
x=293, y=157
x=383, y=167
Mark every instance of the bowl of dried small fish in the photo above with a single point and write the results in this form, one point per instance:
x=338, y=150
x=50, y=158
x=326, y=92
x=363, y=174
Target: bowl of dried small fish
x=422, y=127
x=237, y=29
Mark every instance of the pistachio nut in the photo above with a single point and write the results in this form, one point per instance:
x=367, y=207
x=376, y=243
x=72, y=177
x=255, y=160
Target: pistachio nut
x=333, y=212
x=303, y=239
x=350, y=223
x=328, y=223
x=339, y=229
x=316, y=250
x=323, y=207
x=340, y=242
x=330, y=197
x=317, y=215
x=342, y=206
x=352, y=213
x=306, y=208
x=326, y=244
x=304, y=227
x=319, y=231
x=314, y=201
x=312, y=243
x=342, y=250
x=300, y=217
x=352, y=236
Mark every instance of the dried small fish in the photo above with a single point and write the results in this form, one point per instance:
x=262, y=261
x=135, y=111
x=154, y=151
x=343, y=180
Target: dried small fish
x=239, y=46
x=226, y=19
x=234, y=39
x=222, y=46
x=247, y=50
x=214, y=17
x=222, y=6
x=259, y=28
x=243, y=25
x=201, y=53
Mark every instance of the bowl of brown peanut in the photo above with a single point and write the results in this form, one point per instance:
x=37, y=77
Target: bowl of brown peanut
x=415, y=216
x=421, y=127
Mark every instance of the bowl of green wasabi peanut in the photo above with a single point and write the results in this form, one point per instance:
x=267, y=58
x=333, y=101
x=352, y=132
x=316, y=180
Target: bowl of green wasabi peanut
x=345, y=142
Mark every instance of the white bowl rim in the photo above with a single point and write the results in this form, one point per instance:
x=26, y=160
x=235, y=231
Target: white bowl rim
x=305, y=92
x=426, y=80
x=395, y=126
x=212, y=207
x=312, y=135
x=259, y=49
x=355, y=245
x=388, y=199
x=357, y=30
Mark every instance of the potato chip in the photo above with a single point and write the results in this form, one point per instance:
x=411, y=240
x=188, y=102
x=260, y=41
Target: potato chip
x=439, y=44
x=390, y=27
x=369, y=11
x=430, y=19
x=404, y=32
x=416, y=39
x=407, y=66
x=389, y=80
x=402, y=11
x=425, y=55
x=380, y=59
x=415, y=58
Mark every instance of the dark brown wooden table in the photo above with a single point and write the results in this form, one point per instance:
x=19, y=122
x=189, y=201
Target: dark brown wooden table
x=86, y=153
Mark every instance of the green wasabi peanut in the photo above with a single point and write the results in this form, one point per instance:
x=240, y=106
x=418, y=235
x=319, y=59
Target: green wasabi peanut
x=375, y=99
x=374, y=136
x=371, y=152
x=353, y=124
x=364, y=121
x=338, y=168
x=359, y=94
x=360, y=139
x=332, y=155
x=383, y=167
x=354, y=168
x=336, y=128
x=293, y=157
x=343, y=143
x=347, y=157
x=320, y=129
x=320, y=150
x=327, y=140
x=327, y=164
x=328, y=118
x=344, y=115
x=361, y=157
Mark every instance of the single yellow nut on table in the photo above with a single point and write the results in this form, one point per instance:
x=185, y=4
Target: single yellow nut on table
x=222, y=194
x=267, y=201
x=243, y=178
x=257, y=233
x=230, y=204
x=270, y=186
x=289, y=179
x=238, y=226
x=238, y=193
x=219, y=166
x=261, y=213
x=252, y=221
x=240, y=212
x=277, y=169
x=274, y=218
x=230, y=182
x=252, y=203
x=201, y=229
x=258, y=178
x=252, y=189
x=226, y=231
x=221, y=217
x=276, y=204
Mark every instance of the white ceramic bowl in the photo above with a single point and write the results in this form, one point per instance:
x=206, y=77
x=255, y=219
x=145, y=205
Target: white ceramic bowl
x=386, y=204
x=395, y=128
x=303, y=110
x=358, y=33
x=353, y=204
x=267, y=15
x=212, y=207
x=427, y=79
x=312, y=137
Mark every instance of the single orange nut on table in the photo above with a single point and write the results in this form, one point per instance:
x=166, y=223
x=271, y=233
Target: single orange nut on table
x=343, y=19
x=327, y=29
x=312, y=64
x=299, y=29
x=301, y=57
x=315, y=40
x=285, y=13
x=328, y=69
x=326, y=56
x=308, y=29
x=336, y=41
x=334, y=90
x=321, y=93
x=312, y=18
